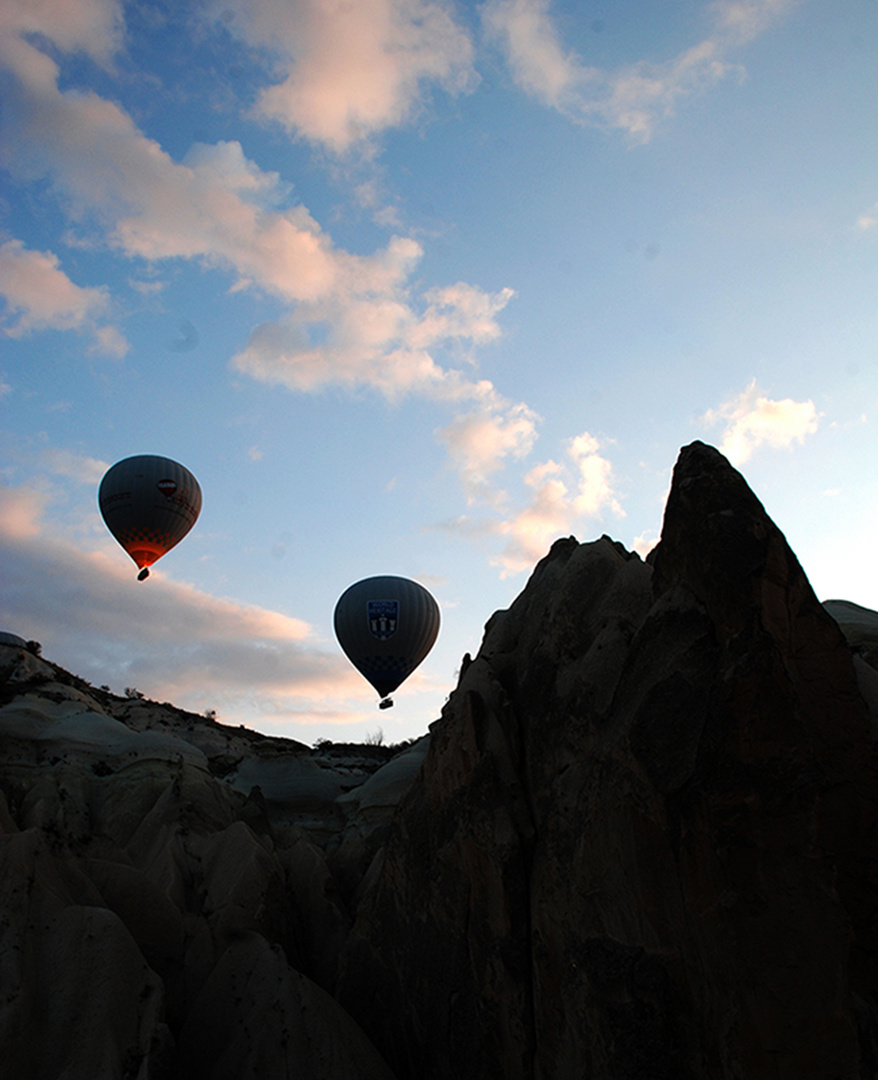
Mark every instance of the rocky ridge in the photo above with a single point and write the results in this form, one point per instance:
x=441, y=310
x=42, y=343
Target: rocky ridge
x=174, y=893
x=639, y=842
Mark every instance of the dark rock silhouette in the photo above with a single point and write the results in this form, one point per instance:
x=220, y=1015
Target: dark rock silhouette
x=643, y=841
x=641, y=844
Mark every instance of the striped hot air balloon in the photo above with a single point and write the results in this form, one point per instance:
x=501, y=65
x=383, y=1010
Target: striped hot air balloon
x=386, y=626
x=149, y=504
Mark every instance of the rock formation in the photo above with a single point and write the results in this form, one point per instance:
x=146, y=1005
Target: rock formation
x=166, y=905
x=643, y=841
x=639, y=843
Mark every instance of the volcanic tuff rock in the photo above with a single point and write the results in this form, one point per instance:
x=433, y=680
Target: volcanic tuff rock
x=639, y=843
x=166, y=905
x=643, y=840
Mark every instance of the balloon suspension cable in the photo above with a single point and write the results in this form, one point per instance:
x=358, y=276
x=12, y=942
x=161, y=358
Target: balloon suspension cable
x=144, y=574
x=386, y=703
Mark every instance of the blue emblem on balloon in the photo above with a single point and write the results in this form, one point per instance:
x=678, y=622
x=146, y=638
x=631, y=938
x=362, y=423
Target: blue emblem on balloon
x=383, y=618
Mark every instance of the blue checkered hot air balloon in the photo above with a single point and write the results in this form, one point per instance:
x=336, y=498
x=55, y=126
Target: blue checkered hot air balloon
x=386, y=626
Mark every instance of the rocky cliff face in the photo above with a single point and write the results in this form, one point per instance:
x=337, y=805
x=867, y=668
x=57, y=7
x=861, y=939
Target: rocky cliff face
x=641, y=845
x=643, y=841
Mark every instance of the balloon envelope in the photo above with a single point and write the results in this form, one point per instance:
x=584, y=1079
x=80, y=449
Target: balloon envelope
x=149, y=503
x=386, y=626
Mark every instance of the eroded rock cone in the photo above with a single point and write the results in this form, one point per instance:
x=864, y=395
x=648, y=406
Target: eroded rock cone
x=643, y=840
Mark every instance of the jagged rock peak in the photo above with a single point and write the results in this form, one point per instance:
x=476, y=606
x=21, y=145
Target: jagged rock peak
x=718, y=541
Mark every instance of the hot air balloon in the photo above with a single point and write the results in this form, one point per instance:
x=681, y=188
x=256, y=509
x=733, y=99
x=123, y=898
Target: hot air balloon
x=149, y=503
x=386, y=626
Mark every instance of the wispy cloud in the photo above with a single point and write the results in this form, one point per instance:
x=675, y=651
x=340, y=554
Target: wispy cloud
x=644, y=543
x=94, y=27
x=740, y=21
x=78, y=467
x=537, y=59
x=634, y=98
x=21, y=510
x=350, y=71
x=566, y=495
x=868, y=220
x=560, y=497
x=751, y=420
x=173, y=641
x=40, y=296
x=480, y=443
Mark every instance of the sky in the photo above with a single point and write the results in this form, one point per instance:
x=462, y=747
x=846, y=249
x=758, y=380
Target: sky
x=416, y=287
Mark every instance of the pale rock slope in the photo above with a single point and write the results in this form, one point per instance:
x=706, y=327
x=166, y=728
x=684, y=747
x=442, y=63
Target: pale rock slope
x=166, y=905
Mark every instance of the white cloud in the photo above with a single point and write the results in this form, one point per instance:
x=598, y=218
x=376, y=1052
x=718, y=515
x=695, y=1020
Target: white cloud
x=351, y=321
x=383, y=339
x=216, y=205
x=350, y=70
x=531, y=530
x=869, y=220
x=751, y=420
x=743, y=20
x=459, y=312
x=562, y=497
x=644, y=543
x=537, y=59
x=84, y=470
x=634, y=98
x=594, y=481
x=110, y=341
x=40, y=296
x=479, y=444
x=94, y=27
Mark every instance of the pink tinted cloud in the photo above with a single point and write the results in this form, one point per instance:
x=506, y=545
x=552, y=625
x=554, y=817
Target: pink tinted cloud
x=40, y=296
x=94, y=27
x=752, y=420
x=349, y=71
x=171, y=640
x=565, y=498
x=219, y=207
x=480, y=443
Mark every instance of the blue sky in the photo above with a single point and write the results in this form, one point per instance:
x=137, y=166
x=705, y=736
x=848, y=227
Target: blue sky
x=415, y=288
